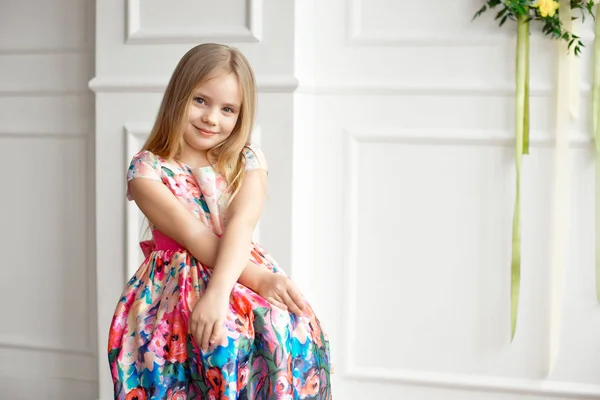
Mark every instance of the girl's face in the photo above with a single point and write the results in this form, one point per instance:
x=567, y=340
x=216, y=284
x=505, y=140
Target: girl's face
x=213, y=113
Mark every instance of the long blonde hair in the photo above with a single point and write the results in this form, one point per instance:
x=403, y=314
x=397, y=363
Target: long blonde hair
x=195, y=67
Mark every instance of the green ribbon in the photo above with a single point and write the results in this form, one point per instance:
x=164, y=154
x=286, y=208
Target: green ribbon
x=597, y=215
x=521, y=147
x=596, y=126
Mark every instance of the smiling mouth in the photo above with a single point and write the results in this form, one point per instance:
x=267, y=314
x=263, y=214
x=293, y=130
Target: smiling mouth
x=205, y=132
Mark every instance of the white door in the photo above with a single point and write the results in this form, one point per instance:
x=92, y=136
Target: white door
x=412, y=183
x=47, y=326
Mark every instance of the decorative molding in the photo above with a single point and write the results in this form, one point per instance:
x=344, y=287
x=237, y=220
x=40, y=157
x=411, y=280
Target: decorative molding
x=407, y=89
x=134, y=135
x=27, y=344
x=476, y=383
x=252, y=32
x=44, y=135
x=350, y=368
x=350, y=248
x=465, y=137
x=288, y=84
x=43, y=51
x=254, y=17
x=265, y=84
x=43, y=93
x=357, y=37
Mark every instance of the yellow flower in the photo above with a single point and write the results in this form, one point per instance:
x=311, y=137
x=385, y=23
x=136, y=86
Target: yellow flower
x=547, y=7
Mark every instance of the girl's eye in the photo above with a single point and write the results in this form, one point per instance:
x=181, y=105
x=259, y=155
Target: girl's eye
x=227, y=110
x=199, y=100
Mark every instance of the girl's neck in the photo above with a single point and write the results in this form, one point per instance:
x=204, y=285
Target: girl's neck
x=194, y=158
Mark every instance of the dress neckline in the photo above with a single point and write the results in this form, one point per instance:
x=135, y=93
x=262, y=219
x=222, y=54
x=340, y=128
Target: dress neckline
x=183, y=166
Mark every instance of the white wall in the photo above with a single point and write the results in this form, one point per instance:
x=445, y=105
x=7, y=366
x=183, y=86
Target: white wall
x=47, y=331
x=393, y=212
x=411, y=109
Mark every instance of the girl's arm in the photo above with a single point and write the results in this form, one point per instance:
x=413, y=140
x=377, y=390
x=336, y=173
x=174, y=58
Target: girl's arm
x=171, y=217
x=242, y=216
x=207, y=319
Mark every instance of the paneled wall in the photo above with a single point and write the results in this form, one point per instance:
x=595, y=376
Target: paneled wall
x=47, y=333
x=410, y=110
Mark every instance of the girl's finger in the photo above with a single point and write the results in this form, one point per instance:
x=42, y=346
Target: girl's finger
x=197, y=333
x=277, y=303
x=296, y=297
x=217, y=333
x=291, y=304
x=206, y=334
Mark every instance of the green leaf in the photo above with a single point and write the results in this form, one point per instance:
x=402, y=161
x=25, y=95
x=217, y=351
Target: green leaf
x=501, y=13
x=480, y=11
x=522, y=11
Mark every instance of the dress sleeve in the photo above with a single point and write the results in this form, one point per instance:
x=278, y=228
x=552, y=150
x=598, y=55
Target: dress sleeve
x=254, y=158
x=143, y=165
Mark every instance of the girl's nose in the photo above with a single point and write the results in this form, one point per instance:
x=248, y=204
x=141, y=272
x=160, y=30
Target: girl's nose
x=209, y=118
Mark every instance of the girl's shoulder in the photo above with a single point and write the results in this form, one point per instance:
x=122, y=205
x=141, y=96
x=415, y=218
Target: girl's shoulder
x=254, y=157
x=146, y=157
x=144, y=163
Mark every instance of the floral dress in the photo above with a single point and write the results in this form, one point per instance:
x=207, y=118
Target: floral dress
x=267, y=353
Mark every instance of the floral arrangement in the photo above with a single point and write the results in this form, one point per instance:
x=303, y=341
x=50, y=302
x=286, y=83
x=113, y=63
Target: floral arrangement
x=547, y=14
x=545, y=11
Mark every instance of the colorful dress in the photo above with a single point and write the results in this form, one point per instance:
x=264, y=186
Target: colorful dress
x=268, y=353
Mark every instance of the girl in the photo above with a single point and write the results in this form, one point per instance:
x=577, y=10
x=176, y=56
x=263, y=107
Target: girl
x=209, y=314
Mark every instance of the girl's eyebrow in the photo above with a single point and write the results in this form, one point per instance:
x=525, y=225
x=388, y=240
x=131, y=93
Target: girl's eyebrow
x=200, y=94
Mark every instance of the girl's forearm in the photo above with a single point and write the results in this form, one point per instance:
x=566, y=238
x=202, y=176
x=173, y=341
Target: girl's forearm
x=232, y=255
x=204, y=246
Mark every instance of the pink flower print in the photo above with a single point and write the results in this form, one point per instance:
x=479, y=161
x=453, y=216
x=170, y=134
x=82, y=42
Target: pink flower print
x=282, y=386
x=176, y=341
x=191, y=184
x=220, y=183
x=129, y=349
x=176, y=394
x=159, y=340
x=255, y=300
x=182, y=184
x=245, y=316
x=212, y=395
x=159, y=270
x=118, y=329
x=207, y=185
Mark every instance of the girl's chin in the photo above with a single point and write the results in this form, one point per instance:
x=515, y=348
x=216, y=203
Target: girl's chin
x=202, y=144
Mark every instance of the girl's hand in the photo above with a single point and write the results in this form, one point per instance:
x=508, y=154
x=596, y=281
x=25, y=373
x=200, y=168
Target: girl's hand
x=207, y=322
x=280, y=291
